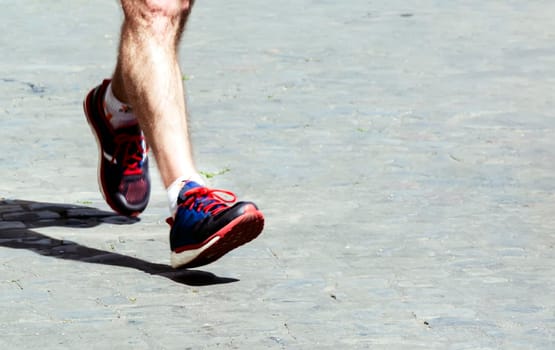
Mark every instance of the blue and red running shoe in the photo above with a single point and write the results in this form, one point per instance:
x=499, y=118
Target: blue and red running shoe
x=123, y=175
x=206, y=227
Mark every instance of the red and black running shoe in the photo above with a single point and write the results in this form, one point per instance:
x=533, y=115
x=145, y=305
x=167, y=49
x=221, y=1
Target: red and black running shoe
x=123, y=175
x=206, y=227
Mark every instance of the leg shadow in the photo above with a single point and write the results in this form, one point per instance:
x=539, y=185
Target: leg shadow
x=19, y=217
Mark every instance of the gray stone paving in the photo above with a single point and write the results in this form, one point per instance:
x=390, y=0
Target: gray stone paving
x=402, y=151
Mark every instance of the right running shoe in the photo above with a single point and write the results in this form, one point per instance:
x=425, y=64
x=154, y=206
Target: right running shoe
x=206, y=227
x=123, y=175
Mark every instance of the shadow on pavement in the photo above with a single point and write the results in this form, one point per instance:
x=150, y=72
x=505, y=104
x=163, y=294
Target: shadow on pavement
x=19, y=217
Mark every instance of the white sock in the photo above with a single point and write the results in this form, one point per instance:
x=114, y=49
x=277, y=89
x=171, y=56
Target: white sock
x=176, y=186
x=118, y=113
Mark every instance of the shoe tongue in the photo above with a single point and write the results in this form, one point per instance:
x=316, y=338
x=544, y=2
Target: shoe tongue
x=189, y=185
x=131, y=129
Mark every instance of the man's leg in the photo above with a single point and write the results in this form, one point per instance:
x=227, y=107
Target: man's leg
x=148, y=77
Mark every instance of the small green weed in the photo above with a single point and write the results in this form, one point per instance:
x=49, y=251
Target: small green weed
x=210, y=175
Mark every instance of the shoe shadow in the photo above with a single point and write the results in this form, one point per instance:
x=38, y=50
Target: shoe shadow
x=19, y=217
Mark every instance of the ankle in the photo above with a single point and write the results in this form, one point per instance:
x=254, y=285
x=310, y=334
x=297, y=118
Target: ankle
x=174, y=189
x=119, y=114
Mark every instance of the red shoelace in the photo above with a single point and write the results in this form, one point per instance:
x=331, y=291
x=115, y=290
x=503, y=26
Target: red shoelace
x=133, y=152
x=207, y=199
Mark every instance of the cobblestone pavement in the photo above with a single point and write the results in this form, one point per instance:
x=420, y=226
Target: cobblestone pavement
x=402, y=151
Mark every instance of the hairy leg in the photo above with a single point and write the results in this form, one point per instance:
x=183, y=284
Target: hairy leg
x=148, y=77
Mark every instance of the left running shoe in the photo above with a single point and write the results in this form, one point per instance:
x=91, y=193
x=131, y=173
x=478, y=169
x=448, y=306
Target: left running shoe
x=123, y=175
x=206, y=227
